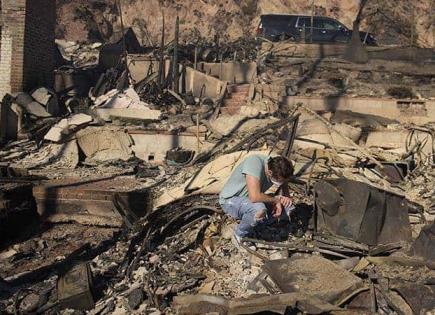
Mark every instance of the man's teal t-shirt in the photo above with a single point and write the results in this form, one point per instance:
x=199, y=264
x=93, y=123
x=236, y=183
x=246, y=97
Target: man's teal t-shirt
x=253, y=165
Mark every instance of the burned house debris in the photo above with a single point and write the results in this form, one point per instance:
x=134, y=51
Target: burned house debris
x=111, y=165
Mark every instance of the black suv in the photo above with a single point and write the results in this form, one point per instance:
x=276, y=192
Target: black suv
x=277, y=27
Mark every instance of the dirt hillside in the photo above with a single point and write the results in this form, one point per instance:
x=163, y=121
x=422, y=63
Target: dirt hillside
x=97, y=20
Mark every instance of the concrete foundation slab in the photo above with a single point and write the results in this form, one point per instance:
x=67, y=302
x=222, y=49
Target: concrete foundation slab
x=300, y=50
x=405, y=111
x=151, y=146
x=146, y=114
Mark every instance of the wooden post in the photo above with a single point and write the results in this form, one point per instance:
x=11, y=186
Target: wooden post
x=197, y=133
x=161, y=78
x=124, y=45
x=221, y=67
x=412, y=26
x=175, y=68
x=195, y=64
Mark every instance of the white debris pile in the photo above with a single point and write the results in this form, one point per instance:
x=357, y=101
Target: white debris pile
x=78, y=53
x=124, y=104
x=67, y=126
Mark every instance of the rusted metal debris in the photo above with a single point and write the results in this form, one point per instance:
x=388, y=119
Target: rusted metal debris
x=312, y=275
x=74, y=288
x=361, y=213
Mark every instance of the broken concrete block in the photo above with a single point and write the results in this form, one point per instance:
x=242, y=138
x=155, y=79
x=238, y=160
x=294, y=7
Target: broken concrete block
x=23, y=99
x=41, y=95
x=79, y=119
x=115, y=99
x=314, y=276
x=49, y=100
x=55, y=133
x=145, y=114
x=105, y=144
x=315, y=126
x=29, y=104
x=100, y=100
x=36, y=109
x=122, y=100
x=66, y=126
x=400, y=140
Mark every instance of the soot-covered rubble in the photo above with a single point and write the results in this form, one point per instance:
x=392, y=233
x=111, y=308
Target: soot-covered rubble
x=109, y=194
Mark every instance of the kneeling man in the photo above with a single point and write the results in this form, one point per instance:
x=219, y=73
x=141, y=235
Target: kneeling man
x=243, y=196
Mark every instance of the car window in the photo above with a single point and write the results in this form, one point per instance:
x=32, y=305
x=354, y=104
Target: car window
x=330, y=25
x=304, y=22
x=318, y=23
x=274, y=21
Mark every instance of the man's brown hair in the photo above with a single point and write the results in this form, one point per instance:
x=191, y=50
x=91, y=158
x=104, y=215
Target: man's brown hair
x=280, y=167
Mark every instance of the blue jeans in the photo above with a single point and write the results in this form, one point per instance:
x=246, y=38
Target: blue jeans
x=250, y=214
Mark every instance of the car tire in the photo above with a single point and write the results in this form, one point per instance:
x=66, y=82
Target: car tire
x=283, y=37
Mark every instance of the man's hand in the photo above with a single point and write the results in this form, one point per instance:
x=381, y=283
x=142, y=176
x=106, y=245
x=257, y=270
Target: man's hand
x=285, y=201
x=277, y=209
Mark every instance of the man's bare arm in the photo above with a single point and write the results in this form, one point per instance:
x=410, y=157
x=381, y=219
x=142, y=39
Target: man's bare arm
x=254, y=191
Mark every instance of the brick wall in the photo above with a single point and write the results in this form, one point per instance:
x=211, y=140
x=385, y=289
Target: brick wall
x=12, y=38
x=39, y=45
x=27, y=44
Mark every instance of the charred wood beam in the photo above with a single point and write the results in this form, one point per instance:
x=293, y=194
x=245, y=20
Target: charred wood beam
x=175, y=68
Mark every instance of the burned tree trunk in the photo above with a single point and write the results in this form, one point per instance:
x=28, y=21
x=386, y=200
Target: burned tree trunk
x=356, y=51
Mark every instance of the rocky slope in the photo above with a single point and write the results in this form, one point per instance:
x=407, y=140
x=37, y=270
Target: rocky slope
x=97, y=20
